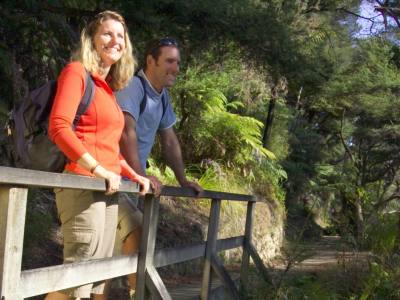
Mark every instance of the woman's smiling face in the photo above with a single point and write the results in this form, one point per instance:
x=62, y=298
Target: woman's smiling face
x=109, y=42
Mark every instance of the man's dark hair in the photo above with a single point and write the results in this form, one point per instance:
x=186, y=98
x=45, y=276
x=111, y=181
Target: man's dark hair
x=154, y=46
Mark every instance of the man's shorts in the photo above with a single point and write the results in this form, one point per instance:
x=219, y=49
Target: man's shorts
x=129, y=216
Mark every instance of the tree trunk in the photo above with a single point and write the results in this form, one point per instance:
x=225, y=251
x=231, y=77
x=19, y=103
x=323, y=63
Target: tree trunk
x=279, y=89
x=268, y=122
x=358, y=216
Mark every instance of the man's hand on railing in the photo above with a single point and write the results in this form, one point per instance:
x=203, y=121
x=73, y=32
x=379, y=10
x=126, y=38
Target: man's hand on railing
x=144, y=184
x=155, y=184
x=193, y=185
x=113, y=180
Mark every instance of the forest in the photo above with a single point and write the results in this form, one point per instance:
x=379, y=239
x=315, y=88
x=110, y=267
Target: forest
x=295, y=101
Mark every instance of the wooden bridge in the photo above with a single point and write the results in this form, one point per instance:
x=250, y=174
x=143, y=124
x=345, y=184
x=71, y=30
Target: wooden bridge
x=16, y=284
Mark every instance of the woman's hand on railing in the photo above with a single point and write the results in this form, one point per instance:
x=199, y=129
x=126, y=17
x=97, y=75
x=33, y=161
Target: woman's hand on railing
x=113, y=181
x=144, y=184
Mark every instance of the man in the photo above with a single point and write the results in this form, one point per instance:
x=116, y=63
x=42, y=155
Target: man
x=161, y=66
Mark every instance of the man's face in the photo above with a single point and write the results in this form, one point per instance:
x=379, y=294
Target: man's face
x=166, y=67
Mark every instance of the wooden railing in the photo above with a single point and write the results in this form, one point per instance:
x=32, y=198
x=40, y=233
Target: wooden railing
x=16, y=284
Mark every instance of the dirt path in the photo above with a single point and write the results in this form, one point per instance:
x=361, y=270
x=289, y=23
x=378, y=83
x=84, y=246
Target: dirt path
x=329, y=252
x=328, y=266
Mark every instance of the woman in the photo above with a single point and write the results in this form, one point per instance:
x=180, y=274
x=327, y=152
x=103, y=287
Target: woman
x=88, y=219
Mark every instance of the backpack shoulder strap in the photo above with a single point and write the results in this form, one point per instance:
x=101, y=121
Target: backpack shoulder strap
x=86, y=98
x=164, y=104
x=143, y=102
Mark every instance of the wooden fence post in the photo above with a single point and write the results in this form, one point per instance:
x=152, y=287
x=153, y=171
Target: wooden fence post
x=244, y=273
x=147, y=275
x=12, y=224
x=212, y=236
x=147, y=243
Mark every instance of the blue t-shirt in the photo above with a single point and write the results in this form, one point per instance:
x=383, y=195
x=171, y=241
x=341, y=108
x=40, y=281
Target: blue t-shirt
x=152, y=118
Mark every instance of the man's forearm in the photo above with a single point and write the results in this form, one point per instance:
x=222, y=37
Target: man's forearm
x=129, y=151
x=173, y=158
x=173, y=155
x=129, y=144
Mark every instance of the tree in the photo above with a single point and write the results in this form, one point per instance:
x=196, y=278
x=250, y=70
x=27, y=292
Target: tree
x=361, y=103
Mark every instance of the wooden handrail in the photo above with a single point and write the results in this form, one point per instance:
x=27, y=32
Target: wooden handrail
x=32, y=178
x=16, y=284
x=187, y=192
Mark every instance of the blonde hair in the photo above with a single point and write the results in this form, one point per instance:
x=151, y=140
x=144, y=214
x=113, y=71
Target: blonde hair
x=121, y=71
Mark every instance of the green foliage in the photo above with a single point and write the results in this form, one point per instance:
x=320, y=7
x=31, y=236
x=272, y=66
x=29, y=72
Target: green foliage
x=266, y=178
x=37, y=230
x=306, y=147
x=307, y=287
x=354, y=122
x=380, y=284
x=215, y=177
x=166, y=175
x=382, y=235
x=37, y=221
x=205, y=99
x=280, y=136
x=383, y=279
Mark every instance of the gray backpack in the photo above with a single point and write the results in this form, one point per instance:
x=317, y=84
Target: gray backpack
x=28, y=128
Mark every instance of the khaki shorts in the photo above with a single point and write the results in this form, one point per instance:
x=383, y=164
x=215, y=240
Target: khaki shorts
x=88, y=223
x=130, y=218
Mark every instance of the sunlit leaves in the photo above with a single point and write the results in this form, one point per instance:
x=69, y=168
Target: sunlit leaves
x=205, y=111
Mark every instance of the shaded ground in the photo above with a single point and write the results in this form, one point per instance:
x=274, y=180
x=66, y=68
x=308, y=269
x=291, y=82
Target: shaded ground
x=328, y=252
x=327, y=268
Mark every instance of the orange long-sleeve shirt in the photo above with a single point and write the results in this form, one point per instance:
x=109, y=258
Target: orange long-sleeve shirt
x=99, y=129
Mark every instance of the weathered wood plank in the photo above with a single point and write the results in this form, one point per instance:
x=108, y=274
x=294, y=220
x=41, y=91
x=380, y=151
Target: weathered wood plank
x=12, y=222
x=43, y=280
x=244, y=274
x=147, y=243
x=171, y=256
x=259, y=263
x=25, y=177
x=155, y=285
x=230, y=243
x=187, y=192
x=223, y=275
x=212, y=236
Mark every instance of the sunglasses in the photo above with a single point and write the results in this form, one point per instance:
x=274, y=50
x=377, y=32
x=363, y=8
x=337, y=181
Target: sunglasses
x=167, y=42
x=164, y=42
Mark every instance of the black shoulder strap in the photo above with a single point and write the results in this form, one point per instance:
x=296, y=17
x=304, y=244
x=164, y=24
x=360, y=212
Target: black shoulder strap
x=86, y=98
x=143, y=102
x=164, y=104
